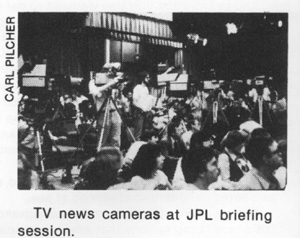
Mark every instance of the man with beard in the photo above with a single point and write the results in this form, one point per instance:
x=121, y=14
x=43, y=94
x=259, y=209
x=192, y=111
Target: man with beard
x=142, y=102
x=262, y=151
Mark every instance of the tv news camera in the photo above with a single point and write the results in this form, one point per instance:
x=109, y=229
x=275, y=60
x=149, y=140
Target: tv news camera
x=259, y=84
x=108, y=73
x=41, y=99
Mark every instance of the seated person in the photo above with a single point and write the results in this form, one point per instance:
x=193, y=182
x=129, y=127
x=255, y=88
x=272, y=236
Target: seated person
x=149, y=136
x=146, y=169
x=202, y=139
x=232, y=163
x=173, y=148
x=101, y=172
x=281, y=173
x=200, y=171
x=262, y=151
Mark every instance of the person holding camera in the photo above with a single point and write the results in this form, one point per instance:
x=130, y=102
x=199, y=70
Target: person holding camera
x=111, y=124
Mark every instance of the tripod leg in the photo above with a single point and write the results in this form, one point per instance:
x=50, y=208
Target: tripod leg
x=40, y=154
x=103, y=125
x=80, y=143
x=43, y=177
x=124, y=123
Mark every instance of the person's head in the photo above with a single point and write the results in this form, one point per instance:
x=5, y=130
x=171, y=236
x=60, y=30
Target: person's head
x=144, y=77
x=104, y=169
x=175, y=128
x=201, y=139
x=262, y=150
x=148, y=160
x=150, y=136
x=234, y=141
x=201, y=163
x=282, y=147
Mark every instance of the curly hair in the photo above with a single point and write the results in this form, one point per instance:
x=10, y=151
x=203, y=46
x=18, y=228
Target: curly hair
x=145, y=162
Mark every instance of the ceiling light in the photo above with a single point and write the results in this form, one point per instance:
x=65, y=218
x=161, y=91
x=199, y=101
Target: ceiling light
x=231, y=28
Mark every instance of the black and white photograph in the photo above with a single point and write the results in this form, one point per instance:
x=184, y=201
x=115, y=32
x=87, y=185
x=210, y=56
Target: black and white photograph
x=152, y=101
x=191, y=105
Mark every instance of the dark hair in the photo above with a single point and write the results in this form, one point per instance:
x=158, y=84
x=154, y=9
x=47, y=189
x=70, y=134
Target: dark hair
x=232, y=139
x=145, y=162
x=143, y=75
x=148, y=134
x=103, y=171
x=174, y=123
x=258, y=146
x=198, y=138
x=195, y=162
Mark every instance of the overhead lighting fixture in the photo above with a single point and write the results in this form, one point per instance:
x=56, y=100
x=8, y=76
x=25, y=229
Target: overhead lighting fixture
x=231, y=28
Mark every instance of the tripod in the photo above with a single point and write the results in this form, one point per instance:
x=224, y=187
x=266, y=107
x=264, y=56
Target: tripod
x=263, y=117
x=215, y=112
x=38, y=153
x=105, y=107
x=107, y=104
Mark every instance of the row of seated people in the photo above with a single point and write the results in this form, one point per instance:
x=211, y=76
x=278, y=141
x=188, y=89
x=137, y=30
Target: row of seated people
x=176, y=152
x=253, y=161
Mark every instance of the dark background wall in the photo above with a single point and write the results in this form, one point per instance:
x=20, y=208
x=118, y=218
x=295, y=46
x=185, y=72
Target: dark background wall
x=260, y=46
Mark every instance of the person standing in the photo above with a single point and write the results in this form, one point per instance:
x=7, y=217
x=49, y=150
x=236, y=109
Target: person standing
x=112, y=123
x=142, y=102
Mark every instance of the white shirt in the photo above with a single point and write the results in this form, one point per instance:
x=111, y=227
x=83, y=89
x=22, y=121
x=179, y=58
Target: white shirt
x=132, y=151
x=99, y=96
x=138, y=183
x=78, y=100
x=253, y=94
x=141, y=97
x=266, y=94
x=224, y=164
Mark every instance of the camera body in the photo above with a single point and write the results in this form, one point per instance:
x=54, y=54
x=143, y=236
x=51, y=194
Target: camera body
x=259, y=84
x=103, y=78
x=109, y=72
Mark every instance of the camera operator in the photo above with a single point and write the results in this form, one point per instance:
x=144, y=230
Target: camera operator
x=112, y=125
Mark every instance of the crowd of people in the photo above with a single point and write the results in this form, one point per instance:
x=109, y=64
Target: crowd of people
x=219, y=139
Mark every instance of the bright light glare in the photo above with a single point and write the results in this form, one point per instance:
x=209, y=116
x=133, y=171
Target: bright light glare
x=280, y=23
x=231, y=28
